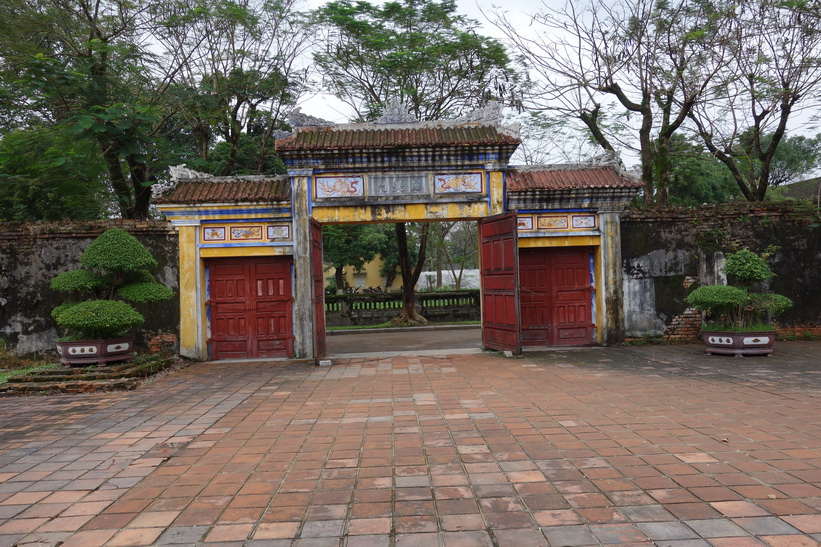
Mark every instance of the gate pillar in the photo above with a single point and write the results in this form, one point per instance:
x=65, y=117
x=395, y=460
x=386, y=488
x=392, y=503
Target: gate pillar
x=192, y=343
x=303, y=309
x=613, y=325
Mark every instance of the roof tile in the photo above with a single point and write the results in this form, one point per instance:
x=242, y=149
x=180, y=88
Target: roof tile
x=358, y=137
x=567, y=178
x=229, y=190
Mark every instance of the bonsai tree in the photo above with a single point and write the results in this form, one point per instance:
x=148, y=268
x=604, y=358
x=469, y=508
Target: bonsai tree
x=736, y=306
x=114, y=272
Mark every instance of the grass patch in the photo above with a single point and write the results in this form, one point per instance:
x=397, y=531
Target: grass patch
x=387, y=325
x=6, y=374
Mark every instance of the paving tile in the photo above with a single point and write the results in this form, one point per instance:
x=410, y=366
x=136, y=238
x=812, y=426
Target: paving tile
x=808, y=524
x=618, y=533
x=765, y=526
x=569, y=536
x=369, y=526
x=367, y=541
x=569, y=446
x=134, y=537
x=457, y=523
x=182, y=535
x=657, y=531
x=417, y=539
x=716, y=528
x=790, y=541
x=469, y=539
x=739, y=509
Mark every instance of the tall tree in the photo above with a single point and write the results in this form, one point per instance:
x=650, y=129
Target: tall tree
x=241, y=69
x=771, y=75
x=153, y=83
x=644, y=59
x=422, y=53
x=83, y=67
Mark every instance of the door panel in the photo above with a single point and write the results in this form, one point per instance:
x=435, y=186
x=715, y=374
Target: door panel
x=250, y=307
x=556, y=296
x=533, y=278
x=499, y=270
x=572, y=294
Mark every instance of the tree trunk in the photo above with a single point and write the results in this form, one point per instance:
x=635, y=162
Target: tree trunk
x=438, y=268
x=142, y=187
x=122, y=189
x=340, y=281
x=409, y=316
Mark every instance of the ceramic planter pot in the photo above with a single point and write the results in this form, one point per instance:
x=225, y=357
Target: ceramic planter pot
x=90, y=352
x=739, y=343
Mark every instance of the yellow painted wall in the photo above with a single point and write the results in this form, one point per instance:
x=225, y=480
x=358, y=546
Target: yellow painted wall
x=411, y=212
x=372, y=276
x=191, y=336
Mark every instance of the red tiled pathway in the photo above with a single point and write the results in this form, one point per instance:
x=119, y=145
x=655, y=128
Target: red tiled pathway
x=645, y=445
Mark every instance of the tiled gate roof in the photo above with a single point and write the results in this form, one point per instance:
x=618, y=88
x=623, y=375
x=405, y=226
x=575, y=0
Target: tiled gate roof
x=566, y=178
x=245, y=189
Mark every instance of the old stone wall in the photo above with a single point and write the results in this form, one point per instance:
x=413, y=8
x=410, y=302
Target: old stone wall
x=31, y=254
x=666, y=252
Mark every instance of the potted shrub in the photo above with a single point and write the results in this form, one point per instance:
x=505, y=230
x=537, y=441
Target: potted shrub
x=738, y=314
x=98, y=320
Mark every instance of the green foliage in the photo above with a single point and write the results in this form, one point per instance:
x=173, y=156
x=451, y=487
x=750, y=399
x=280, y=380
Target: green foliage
x=96, y=101
x=744, y=267
x=145, y=292
x=696, y=176
x=115, y=265
x=99, y=319
x=350, y=244
x=420, y=52
x=736, y=306
x=770, y=304
x=117, y=251
x=57, y=311
x=717, y=299
x=77, y=280
x=48, y=175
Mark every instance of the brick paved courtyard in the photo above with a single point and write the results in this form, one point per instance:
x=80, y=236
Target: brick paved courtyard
x=605, y=446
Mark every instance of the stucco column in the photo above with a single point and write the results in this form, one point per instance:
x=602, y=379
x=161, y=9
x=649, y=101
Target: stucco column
x=496, y=189
x=613, y=312
x=303, y=312
x=191, y=301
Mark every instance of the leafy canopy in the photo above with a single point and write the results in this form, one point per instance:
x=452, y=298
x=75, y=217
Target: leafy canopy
x=420, y=52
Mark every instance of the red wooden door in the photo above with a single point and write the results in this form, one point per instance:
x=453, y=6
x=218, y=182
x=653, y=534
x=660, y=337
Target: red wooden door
x=499, y=271
x=572, y=293
x=557, y=296
x=533, y=281
x=250, y=306
x=318, y=290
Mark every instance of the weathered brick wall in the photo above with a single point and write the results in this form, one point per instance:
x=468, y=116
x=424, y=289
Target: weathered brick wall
x=665, y=252
x=31, y=254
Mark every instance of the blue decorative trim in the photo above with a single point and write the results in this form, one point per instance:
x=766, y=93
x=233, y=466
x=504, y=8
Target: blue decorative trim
x=591, y=211
x=252, y=244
